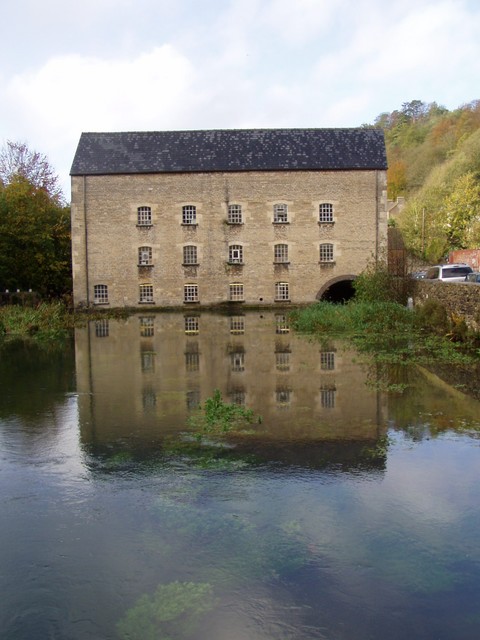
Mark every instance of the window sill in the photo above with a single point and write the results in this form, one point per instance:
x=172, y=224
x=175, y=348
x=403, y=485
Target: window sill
x=325, y=263
x=146, y=302
x=235, y=264
x=241, y=301
x=277, y=300
x=98, y=303
x=145, y=266
x=280, y=222
x=190, y=264
x=144, y=226
x=189, y=224
x=234, y=224
x=191, y=302
x=279, y=262
x=326, y=223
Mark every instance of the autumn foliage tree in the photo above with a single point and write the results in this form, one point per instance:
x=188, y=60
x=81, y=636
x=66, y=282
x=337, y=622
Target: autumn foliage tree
x=34, y=225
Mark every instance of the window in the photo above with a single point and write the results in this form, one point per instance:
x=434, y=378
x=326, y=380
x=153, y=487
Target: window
x=101, y=328
x=282, y=360
x=192, y=357
x=146, y=293
x=147, y=361
x=327, y=360
x=190, y=293
x=189, y=214
x=281, y=291
x=237, y=361
x=280, y=253
x=327, y=396
x=281, y=324
x=100, y=294
x=237, y=396
x=236, y=292
x=144, y=216
x=280, y=213
x=190, y=254
x=326, y=252
x=149, y=399
x=237, y=324
x=235, y=254
x=145, y=256
x=147, y=328
x=192, y=399
x=192, y=324
x=283, y=396
x=325, y=212
x=235, y=214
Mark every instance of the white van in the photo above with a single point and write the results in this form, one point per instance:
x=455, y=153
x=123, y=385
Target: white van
x=448, y=272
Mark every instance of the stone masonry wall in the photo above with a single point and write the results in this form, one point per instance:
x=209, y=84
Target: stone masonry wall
x=461, y=300
x=106, y=238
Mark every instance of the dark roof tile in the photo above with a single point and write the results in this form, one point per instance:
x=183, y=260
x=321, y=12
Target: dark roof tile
x=229, y=150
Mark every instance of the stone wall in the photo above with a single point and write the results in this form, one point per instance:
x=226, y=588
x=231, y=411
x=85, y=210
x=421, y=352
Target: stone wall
x=106, y=237
x=460, y=300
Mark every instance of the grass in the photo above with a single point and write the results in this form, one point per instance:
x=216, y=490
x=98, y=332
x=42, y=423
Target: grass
x=47, y=320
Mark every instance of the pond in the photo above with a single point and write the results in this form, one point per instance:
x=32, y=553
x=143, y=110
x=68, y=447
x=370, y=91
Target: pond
x=351, y=511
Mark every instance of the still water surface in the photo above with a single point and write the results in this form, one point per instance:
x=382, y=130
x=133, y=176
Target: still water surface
x=349, y=513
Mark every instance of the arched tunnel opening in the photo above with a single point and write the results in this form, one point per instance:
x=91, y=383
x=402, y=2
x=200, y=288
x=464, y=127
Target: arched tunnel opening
x=338, y=292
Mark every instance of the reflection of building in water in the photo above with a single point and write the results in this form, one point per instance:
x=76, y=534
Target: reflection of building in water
x=144, y=375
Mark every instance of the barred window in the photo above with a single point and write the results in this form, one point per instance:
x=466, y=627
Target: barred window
x=327, y=396
x=145, y=256
x=192, y=325
x=327, y=360
x=144, y=216
x=235, y=253
x=192, y=359
x=189, y=214
x=100, y=294
x=190, y=293
x=282, y=360
x=237, y=396
x=146, y=293
x=237, y=361
x=281, y=291
x=235, y=214
x=326, y=252
x=236, y=292
x=280, y=213
x=281, y=324
x=190, y=254
x=101, y=328
x=325, y=212
x=280, y=253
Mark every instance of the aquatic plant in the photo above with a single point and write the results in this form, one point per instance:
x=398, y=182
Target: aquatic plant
x=216, y=417
x=173, y=611
x=47, y=320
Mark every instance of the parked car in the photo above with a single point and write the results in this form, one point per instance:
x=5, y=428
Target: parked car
x=473, y=277
x=449, y=272
x=418, y=275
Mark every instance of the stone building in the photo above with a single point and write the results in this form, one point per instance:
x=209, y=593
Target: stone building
x=259, y=217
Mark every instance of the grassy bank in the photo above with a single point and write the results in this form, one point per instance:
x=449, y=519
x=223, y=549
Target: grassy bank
x=392, y=333
x=47, y=320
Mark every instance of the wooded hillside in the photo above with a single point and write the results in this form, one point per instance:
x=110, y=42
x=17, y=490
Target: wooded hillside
x=434, y=162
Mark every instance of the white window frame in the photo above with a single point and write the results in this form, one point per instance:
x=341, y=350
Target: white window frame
x=189, y=214
x=328, y=395
x=282, y=292
x=327, y=360
x=235, y=215
x=236, y=292
x=237, y=324
x=190, y=293
x=325, y=213
x=100, y=294
x=326, y=252
x=147, y=327
x=190, y=255
x=280, y=253
x=235, y=254
x=146, y=293
x=144, y=216
x=280, y=213
x=192, y=325
x=145, y=256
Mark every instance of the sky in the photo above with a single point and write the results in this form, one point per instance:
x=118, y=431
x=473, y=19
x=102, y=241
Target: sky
x=147, y=65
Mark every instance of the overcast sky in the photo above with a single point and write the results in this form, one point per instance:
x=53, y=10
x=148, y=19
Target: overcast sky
x=122, y=65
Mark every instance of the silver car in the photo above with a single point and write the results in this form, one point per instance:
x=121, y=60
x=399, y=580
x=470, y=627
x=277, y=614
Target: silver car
x=448, y=272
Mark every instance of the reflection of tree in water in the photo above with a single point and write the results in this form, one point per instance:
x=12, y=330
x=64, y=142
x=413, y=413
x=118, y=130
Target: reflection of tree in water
x=173, y=611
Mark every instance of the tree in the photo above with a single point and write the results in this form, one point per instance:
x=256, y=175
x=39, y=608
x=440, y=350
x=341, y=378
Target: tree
x=17, y=160
x=461, y=210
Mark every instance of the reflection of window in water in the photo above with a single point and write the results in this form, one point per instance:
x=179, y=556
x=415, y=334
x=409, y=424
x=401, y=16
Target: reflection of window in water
x=192, y=357
x=147, y=327
x=193, y=399
x=149, y=399
x=237, y=360
x=281, y=324
x=148, y=360
x=282, y=360
x=283, y=396
x=327, y=360
x=192, y=324
x=237, y=396
x=327, y=396
x=101, y=328
x=237, y=324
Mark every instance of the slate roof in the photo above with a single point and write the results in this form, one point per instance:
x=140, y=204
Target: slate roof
x=229, y=150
